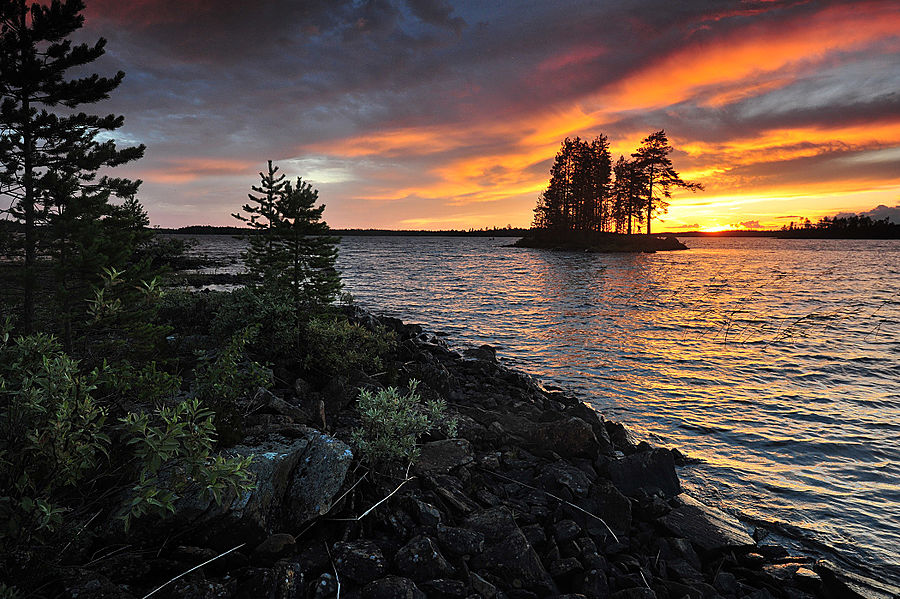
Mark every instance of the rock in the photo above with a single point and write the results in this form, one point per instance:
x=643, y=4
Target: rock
x=324, y=587
x=851, y=585
x=443, y=456
x=444, y=588
x=707, y=527
x=197, y=589
x=514, y=561
x=481, y=586
x=651, y=471
x=337, y=394
x=634, y=593
x=460, y=541
x=393, y=587
x=494, y=523
x=421, y=559
x=248, y=517
x=808, y=580
x=279, y=406
x=483, y=352
x=569, y=437
x=424, y=513
x=360, y=561
x=274, y=547
x=565, y=530
x=317, y=479
x=605, y=502
x=562, y=475
x=595, y=584
x=450, y=489
x=726, y=583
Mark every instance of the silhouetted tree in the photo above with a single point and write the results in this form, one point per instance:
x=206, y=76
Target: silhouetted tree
x=628, y=195
x=653, y=160
x=292, y=254
x=262, y=215
x=49, y=160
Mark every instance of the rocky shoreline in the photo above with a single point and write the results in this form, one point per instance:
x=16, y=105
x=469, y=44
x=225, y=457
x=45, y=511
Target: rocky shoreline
x=536, y=496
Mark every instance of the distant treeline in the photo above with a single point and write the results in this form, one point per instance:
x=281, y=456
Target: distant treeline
x=484, y=232
x=844, y=227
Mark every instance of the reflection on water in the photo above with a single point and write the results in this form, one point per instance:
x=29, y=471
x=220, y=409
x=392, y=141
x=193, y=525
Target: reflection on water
x=774, y=361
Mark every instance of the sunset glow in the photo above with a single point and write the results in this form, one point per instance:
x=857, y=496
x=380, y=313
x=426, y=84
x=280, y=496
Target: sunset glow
x=779, y=109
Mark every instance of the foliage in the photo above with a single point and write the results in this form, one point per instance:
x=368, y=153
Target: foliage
x=56, y=440
x=226, y=380
x=333, y=344
x=291, y=254
x=582, y=196
x=120, y=321
x=50, y=156
x=392, y=422
x=53, y=434
x=652, y=158
x=578, y=196
x=173, y=449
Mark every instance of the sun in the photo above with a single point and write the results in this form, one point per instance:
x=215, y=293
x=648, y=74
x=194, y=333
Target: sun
x=717, y=228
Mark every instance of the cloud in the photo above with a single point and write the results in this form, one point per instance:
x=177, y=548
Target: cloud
x=880, y=212
x=750, y=224
x=453, y=110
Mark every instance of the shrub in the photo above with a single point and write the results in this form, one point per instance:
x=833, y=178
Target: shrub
x=174, y=449
x=333, y=344
x=223, y=381
x=391, y=424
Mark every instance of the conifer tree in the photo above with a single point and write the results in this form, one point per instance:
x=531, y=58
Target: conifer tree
x=49, y=158
x=262, y=216
x=653, y=160
x=292, y=254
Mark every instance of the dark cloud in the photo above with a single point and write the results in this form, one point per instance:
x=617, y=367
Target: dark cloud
x=880, y=212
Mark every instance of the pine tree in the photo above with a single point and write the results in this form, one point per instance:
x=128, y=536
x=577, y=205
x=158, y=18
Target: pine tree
x=653, y=159
x=262, y=215
x=49, y=160
x=291, y=253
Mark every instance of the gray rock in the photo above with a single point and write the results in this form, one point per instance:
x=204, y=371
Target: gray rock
x=494, y=523
x=443, y=456
x=279, y=406
x=450, y=489
x=651, y=471
x=274, y=547
x=563, y=475
x=634, y=593
x=852, y=585
x=605, y=502
x=316, y=480
x=393, y=587
x=481, y=586
x=460, y=541
x=444, y=588
x=360, y=561
x=514, y=561
x=707, y=527
x=420, y=559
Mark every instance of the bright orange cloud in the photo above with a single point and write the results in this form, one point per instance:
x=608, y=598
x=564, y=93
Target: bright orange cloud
x=755, y=52
x=191, y=169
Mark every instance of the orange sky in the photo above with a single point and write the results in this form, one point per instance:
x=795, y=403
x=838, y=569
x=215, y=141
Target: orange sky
x=450, y=117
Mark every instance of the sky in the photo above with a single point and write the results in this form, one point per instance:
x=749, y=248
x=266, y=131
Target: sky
x=431, y=114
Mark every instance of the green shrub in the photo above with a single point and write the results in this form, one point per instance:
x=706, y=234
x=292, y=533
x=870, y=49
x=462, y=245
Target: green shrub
x=278, y=328
x=333, y=345
x=53, y=435
x=174, y=449
x=225, y=382
x=392, y=422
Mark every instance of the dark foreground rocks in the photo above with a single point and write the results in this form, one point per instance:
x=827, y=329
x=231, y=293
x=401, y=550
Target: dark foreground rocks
x=538, y=496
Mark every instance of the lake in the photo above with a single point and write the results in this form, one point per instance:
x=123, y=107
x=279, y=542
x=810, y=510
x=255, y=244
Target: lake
x=774, y=362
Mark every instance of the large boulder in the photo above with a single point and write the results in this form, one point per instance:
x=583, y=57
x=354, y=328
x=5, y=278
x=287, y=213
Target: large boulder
x=315, y=482
x=514, y=561
x=707, y=527
x=651, y=471
x=294, y=480
x=443, y=456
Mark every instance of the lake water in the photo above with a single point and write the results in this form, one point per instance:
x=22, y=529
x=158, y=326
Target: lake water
x=775, y=362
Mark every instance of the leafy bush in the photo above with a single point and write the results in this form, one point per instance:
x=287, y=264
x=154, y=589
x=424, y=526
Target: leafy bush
x=223, y=381
x=391, y=424
x=174, y=452
x=55, y=441
x=278, y=327
x=53, y=434
x=333, y=344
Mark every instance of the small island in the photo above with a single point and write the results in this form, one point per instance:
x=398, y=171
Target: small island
x=595, y=206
